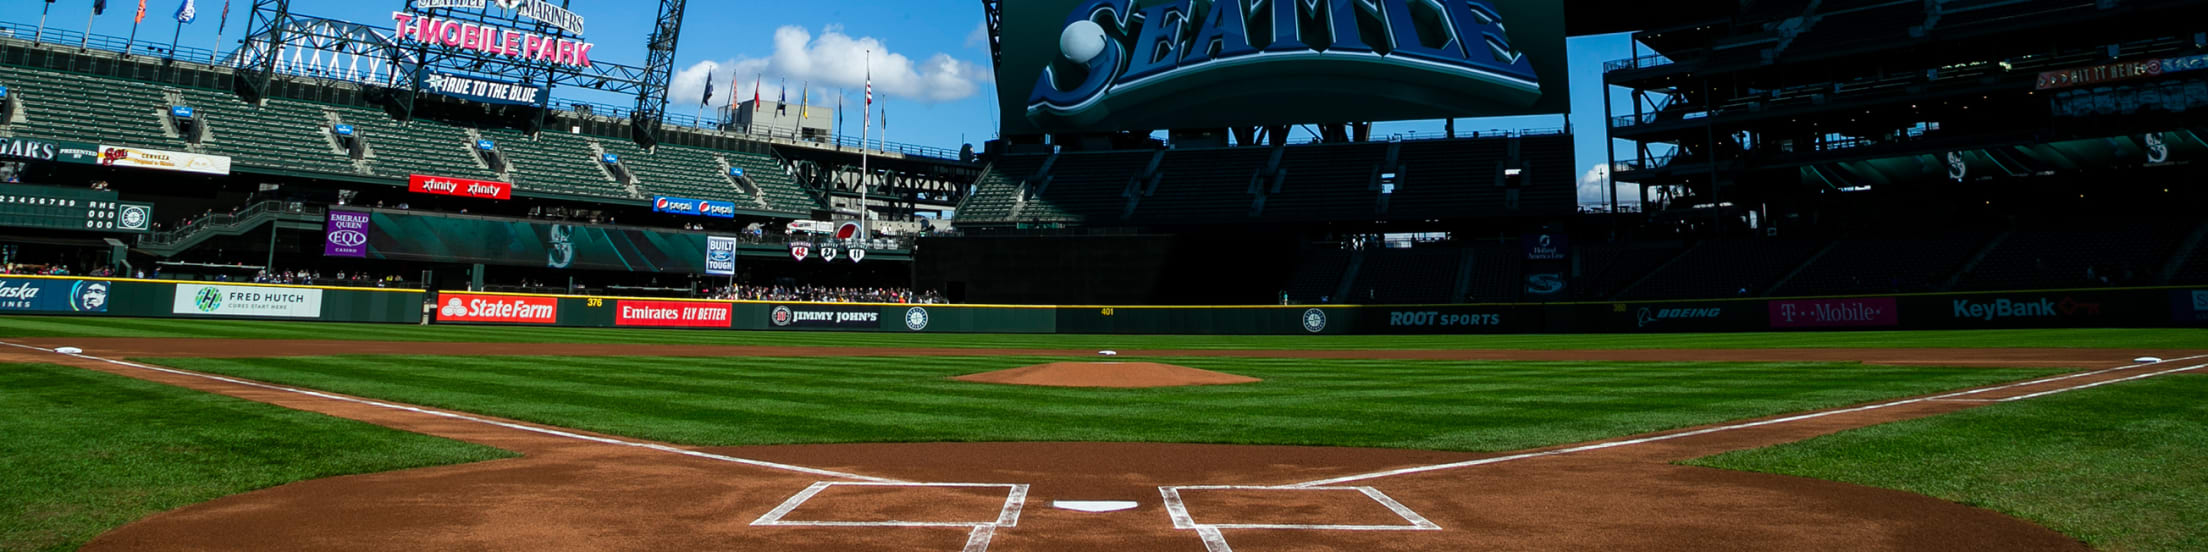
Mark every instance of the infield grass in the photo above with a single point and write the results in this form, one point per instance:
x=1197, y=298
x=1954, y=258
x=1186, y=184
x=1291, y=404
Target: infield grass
x=2123, y=467
x=60, y=326
x=1444, y=405
x=82, y=452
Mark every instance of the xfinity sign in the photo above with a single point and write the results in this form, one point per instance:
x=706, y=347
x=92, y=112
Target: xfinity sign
x=1110, y=65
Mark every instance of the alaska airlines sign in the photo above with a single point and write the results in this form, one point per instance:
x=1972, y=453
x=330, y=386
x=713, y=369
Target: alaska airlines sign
x=1148, y=64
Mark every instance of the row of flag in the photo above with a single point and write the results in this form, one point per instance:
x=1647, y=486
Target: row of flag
x=186, y=12
x=805, y=96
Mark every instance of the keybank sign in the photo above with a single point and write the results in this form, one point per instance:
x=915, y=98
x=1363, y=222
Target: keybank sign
x=1129, y=64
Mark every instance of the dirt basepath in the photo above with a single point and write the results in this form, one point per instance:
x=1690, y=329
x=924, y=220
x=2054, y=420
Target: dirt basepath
x=574, y=491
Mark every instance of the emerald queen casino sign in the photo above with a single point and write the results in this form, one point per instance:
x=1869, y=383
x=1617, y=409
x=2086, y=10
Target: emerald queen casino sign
x=1112, y=65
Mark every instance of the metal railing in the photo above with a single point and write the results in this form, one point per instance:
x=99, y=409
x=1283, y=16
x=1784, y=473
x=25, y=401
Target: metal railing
x=228, y=221
x=710, y=123
x=1643, y=62
x=64, y=37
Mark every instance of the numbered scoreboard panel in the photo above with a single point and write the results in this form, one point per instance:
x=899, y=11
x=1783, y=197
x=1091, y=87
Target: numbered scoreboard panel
x=71, y=209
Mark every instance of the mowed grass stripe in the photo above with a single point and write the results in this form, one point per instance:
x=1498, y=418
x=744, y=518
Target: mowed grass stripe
x=59, y=326
x=2122, y=467
x=1478, y=406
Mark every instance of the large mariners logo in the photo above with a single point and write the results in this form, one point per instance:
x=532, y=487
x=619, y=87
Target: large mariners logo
x=781, y=316
x=134, y=217
x=1115, y=58
x=1957, y=170
x=1314, y=320
x=562, y=246
x=209, y=299
x=2157, y=150
x=916, y=319
x=92, y=297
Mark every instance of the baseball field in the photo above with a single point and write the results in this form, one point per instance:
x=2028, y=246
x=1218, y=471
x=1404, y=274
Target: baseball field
x=206, y=435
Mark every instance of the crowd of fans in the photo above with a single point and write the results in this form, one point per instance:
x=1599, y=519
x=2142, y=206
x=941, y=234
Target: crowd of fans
x=820, y=294
x=57, y=270
x=304, y=277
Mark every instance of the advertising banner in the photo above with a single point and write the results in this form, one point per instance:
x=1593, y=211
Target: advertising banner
x=247, y=300
x=53, y=295
x=460, y=239
x=1688, y=317
x=345, y=235
x=672, y=314
x=720, y=256
x=1092, y=65
x=1881, y=312
x=462, y=307
x=1547, y=247
x=2189, y=305
x=824, y=316
x=694, y=207
x=483, y=90
x=462, y=187
x=118, y=156
x=2077, y=309
x=1455, y=320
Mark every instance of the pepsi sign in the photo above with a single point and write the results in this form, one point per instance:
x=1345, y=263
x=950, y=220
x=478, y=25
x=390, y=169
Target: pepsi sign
x=181, y=111
x=342, y=130
x=610, y=159
x=693, y=207
x=486, y=145
x=736, y=172
x=1118, y=65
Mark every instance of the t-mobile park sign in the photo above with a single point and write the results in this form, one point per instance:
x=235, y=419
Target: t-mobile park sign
x=495, y=40
x=442, y=185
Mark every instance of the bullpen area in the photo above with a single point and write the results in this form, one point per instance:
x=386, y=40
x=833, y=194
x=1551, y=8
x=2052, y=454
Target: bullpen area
x=668, y=439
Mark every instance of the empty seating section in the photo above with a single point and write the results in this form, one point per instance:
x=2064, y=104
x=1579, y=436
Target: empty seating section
x=2040, y=260
x=280, y=135
x=1912, y=265
x=682, y=172
x=1606, y=270
x=1406, y=276
x=1318, y=274
x=1441, y=179
x=996, y=194
x=556, y=163
x=1498, y=273
x=1325, y=182
x=1726, y=267
x=422, y=147
x=1548, y=160
x=1211, y=185
x=781, y=189
x=68, y=106
x=1086, y=187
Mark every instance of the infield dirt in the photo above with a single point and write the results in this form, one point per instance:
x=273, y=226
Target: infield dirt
x=576, y=494
x=1107, y=374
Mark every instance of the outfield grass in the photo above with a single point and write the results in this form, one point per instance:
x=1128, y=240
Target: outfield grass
x=82, y=452
x=54, y=326
x=1470, y=406
x=2123, y=467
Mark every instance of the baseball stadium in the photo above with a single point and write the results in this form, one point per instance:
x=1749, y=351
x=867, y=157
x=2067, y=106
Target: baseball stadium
x=1172, y=275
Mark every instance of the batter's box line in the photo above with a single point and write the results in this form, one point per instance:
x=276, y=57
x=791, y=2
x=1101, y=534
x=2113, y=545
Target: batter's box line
x=977, y=540
x=1176, y=508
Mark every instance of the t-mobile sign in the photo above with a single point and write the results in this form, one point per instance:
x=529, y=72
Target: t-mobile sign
x=346, y=235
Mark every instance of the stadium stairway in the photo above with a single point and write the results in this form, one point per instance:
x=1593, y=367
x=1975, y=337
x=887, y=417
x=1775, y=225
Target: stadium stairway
x=287, y=216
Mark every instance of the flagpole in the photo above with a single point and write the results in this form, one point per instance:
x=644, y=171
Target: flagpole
x=41, y=38
x=866, y=134
x=134, y=24
x=86, y=44
x=173, y=38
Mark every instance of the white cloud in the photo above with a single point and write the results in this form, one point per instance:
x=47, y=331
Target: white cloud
x=831, y=61
x=979, y=37
x=1594, y=188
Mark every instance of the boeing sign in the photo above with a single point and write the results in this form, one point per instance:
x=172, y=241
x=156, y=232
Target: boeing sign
x=1111, y=65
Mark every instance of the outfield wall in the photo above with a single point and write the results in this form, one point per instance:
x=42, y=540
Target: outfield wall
x=133, y=298
x=2090, y=308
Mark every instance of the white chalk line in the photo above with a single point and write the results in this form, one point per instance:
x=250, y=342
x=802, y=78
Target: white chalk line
x=464, y=417
x=1774, y=421
x=977, y=539
x=1177, y=509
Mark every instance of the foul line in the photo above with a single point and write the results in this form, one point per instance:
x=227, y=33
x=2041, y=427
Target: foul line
x=463, y=417
x=1797, y=418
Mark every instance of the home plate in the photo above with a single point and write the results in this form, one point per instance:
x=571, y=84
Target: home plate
x=1093, y=506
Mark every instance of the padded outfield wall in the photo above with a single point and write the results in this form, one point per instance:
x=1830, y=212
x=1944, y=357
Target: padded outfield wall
x=132, y=298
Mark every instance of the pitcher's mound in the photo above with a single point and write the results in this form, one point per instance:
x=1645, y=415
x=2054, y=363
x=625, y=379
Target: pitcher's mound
x=1106, y=374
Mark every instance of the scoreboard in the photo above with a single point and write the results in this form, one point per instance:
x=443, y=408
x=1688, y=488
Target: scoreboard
x=57, y=208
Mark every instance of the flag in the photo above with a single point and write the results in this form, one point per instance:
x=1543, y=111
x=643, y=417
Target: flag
x=187, y=12
x=708, y=99
x=755, y=90
x=99, y=7
x=734, y=86
x=804, y=100
x=141, y=13
x=225, y=24
x=782, y=103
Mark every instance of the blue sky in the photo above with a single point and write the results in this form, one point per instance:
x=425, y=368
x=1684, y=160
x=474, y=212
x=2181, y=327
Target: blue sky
x=930, y=64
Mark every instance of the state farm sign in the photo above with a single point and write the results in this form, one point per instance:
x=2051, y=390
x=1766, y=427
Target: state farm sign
x=440, y=185
x=672, y=314
x=497, y=309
